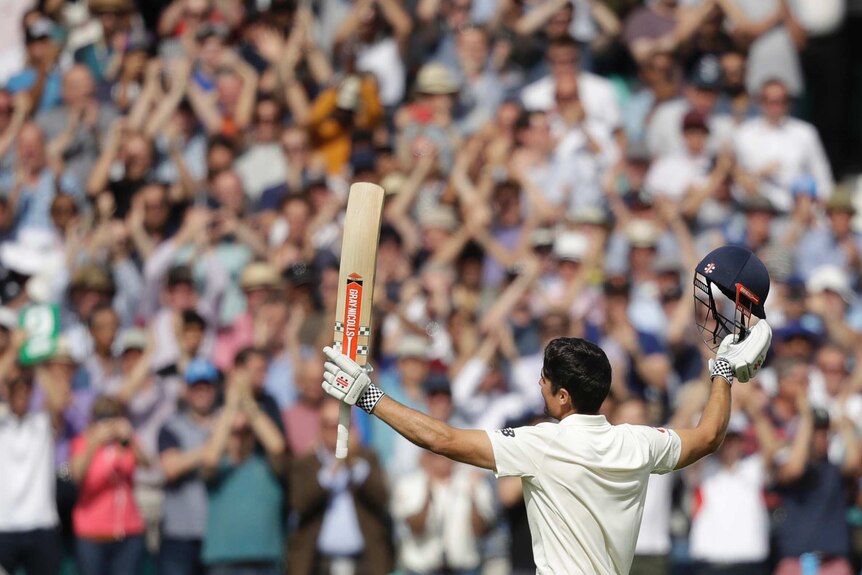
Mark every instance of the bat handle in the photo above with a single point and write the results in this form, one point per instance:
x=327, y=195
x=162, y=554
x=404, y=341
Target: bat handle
x=343, y=437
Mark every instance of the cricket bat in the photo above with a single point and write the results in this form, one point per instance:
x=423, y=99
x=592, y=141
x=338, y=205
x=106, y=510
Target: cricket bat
x=352, y=334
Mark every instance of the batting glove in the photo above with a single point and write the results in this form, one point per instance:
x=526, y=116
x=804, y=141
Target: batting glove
x=347, y=381
x=745, y=358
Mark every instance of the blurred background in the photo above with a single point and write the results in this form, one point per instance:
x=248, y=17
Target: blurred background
x=173, y=177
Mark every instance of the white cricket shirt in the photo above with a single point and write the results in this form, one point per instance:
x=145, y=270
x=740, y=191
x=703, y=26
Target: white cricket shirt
x=584, y=484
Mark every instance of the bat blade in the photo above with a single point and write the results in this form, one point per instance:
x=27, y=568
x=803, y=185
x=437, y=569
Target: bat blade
x=352, y=333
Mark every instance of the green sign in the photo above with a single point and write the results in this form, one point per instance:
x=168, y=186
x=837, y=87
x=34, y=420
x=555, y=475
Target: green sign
x=41, y=323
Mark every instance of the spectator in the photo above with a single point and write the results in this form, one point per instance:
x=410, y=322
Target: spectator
x=263, y=165
x=243, y=533
x=40, y=78
x=31, y=189
x=340, y=508
x=443, y=510
x=812, y=493
x=302, y=418
x=662, y=26
x=741, y=529
x=29, y=534
x=664, y=130
x=776, y=166
x=835, y=242
x=596, y=93
x=75, y=128
x=108, y=525
x=773, y=36
x=182, y=446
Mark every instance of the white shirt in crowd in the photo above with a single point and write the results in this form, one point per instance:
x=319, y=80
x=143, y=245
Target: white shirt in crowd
x=27, y=495
x=384, y=61
x=664, y=130
x=448, y=538
x=737, y=532
x=262, y=166
x=584, y=482
x=492, y=410
x=654, y=537
x=773, y=54
x=597, y=95
x=673, y=175
x=576, y=172
x=794, y=146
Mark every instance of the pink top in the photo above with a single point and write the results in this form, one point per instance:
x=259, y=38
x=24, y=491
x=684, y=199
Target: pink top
x=106, y=505
x=231, y=340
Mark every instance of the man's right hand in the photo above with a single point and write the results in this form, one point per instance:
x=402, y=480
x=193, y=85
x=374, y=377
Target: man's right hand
x=746, y=357
x=343, y=378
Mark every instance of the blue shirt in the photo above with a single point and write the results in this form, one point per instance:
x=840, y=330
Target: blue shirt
x=34, y=203
x=819, y=248
x=51, y=90
x=242, y=528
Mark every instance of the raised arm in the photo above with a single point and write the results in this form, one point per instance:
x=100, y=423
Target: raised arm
x=347, y=381
x=741, y=360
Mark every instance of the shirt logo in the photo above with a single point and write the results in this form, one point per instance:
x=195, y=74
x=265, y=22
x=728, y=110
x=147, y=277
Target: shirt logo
x=508, y=432
x=660, y=429
x=709, y=268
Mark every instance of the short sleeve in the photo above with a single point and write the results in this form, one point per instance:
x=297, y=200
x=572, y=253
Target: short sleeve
x=168, y=440
x=518, y=452
x=665, y=447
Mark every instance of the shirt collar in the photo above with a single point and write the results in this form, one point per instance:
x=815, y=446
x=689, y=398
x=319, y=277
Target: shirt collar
x=584, y=420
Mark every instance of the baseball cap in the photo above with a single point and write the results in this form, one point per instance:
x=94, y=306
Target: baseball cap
x=694, y=120
x=201, y=370
x=437, y=383
x=796, y=329
x=706, y=75
x=40, y=29
x=132, y=338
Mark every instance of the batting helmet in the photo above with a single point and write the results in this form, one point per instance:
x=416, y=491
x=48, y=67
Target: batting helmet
x=742, y=278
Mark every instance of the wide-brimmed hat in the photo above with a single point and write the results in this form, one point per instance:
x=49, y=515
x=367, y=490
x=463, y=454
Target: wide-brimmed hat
x=436, y=78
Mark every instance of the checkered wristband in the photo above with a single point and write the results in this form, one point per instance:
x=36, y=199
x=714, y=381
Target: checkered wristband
x=368, y=400
x=721, y=368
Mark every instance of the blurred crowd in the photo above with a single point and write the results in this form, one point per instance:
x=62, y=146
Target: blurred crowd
x=173, y=177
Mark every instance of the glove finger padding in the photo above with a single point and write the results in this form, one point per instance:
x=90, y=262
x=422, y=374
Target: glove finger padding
x=343, y=362
x=747, y=356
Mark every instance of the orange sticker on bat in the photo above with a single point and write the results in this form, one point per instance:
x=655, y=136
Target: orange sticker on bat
x=352, y=310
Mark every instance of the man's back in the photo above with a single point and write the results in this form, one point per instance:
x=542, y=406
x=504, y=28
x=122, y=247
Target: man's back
x=584, y=485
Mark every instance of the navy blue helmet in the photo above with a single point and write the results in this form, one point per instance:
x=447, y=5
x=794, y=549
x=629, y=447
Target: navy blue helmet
x=737, y=274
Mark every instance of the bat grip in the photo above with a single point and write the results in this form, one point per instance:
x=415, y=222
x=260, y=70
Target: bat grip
x=343, y=436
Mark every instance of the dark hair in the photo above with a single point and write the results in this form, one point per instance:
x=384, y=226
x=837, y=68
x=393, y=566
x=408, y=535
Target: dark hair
x=191, y=318
x=245, y=354
x=581, y=368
